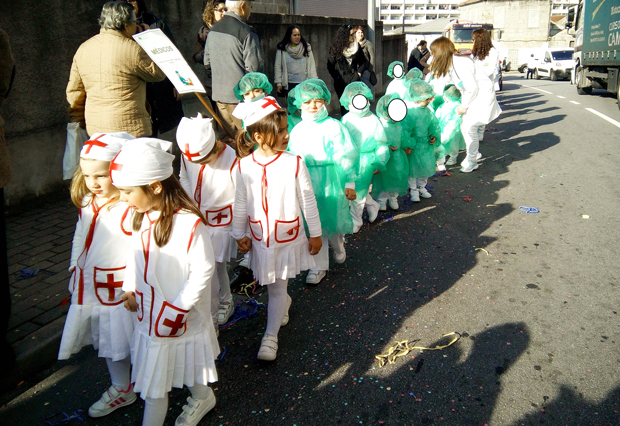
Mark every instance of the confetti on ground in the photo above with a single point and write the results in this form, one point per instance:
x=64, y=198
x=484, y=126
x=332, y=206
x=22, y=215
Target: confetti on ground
x=481, y=249
x=402, y=348
x=585, y=216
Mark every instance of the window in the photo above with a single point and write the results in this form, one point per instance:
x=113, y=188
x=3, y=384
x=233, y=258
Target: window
x=384, y=7
x=394, y=7
x=384, y=17
x=408, y=17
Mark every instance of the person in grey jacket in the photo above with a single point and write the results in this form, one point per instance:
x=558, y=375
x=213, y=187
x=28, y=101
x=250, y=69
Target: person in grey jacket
x=232, y=50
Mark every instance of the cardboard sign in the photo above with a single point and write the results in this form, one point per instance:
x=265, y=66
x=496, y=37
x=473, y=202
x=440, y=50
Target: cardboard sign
x=167, y=57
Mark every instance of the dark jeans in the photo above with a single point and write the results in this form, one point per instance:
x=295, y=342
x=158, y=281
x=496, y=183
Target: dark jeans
x=530, y=73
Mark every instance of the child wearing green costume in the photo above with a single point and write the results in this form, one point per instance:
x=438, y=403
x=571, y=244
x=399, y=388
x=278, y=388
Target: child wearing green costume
x=425, y=131
x=332, y=159
x=392, y=182
x=450, y=124
x=252, y=87
x=368, y=135
x=294, y=114
x=396, y=70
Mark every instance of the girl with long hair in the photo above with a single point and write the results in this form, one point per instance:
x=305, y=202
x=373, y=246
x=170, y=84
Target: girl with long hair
x=478, y=103
x=273, y=190
x=167, y=284
x=485, y=55
x=213, y=12
x=294, y=61
x=98, y=261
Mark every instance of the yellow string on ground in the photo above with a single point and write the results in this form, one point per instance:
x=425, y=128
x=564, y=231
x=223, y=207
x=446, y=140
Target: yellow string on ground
x=402, y=348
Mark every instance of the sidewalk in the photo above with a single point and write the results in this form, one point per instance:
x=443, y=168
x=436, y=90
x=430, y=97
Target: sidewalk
x=38, y=239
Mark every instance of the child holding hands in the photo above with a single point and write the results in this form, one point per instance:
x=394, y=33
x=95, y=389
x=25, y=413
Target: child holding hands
x=167, y=284
x=273, y=190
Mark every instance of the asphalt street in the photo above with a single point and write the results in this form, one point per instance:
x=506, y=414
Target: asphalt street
x=533, y=295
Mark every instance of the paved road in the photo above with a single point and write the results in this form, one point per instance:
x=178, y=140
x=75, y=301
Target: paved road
x=537, y=308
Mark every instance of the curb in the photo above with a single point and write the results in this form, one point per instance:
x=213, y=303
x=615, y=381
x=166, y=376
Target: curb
x=35, y=353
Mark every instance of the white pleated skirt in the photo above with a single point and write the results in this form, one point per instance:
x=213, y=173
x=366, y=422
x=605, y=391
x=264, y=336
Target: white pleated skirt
x=224, y=245
x=108, y=328
x=285, y=261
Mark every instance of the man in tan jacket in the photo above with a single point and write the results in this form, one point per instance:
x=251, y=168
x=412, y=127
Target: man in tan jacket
x=107, y=85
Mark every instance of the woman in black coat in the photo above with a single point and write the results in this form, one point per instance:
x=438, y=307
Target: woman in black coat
x=347, y=61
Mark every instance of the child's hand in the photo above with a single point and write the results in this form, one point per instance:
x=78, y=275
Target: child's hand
x=408, y=151
x=433, y=140
x=376, y=172
x=244, y=244
x=460, y=110
x=130, y=301
x=393, y=148
x=314, y=245
x=72, y=269
x=350, y=194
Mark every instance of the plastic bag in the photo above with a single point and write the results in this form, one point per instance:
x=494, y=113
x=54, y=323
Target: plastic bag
x=76, y=136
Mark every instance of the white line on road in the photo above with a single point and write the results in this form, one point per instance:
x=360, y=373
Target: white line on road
x=576, y=103
x=561, y=97
x=604, y=117
x=536, y=88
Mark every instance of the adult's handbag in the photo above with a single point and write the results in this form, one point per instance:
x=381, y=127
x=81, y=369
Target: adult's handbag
x=76, y=136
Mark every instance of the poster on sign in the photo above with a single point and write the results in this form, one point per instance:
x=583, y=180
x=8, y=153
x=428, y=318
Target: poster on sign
x=167, y=57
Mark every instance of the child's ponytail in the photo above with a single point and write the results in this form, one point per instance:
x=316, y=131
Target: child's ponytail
x=266, y=126
x=244, y=145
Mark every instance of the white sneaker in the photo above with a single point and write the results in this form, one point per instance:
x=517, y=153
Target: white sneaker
x=441, y=167
x=315, y=277
x=224, y=313
x=288, y=306
x=424, y=193
x=195, y=410
x=111, y=400
x=382, y=206
x=415, y=195
x=340, y=258
x=393, y=203
x=356, y=229
x=478, y=156
x=451, y=161
x=469, y=168
x=268, y=348
x=373, y=211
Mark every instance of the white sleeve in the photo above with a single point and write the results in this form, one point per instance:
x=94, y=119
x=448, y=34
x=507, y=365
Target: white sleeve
x=129, y=283
x=311, y=64
x=307, y=200
x=201, y=267
x=277, y=69
x=78, y=242
x=465, y=70
x=184, y=180
x=240, y=209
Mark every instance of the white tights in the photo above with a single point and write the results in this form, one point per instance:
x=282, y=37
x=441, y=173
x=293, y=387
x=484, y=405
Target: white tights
x=220, y=290
x=276, y=307
x=120, y=372
x=155, y=408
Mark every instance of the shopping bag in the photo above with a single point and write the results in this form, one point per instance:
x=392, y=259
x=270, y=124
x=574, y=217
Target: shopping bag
x=76, y=136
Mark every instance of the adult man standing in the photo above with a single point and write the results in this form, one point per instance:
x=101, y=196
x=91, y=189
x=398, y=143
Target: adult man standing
x=232, y=49
x=418, y=58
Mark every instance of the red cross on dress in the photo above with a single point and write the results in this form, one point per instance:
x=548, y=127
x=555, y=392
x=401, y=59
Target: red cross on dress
x=292, y=230
x=175, y=325
x=94, y=142
x=110, y=285
x=271, y=102
x=188, y=154
x=219, y=217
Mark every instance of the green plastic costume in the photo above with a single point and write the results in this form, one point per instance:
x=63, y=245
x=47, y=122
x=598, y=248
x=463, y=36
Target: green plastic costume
x=397, y=85
x=450, y=121
x=330, y=155
x=252, y=80
x=414, y=74
x=368, y=135
x=394, y=177
x=423, y=125
x=294, y=115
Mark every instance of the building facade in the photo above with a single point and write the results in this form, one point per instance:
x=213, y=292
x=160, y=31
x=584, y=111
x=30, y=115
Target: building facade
x=408, y=13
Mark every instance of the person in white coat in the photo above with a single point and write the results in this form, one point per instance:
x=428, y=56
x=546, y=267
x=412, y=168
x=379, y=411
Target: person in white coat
x=478, y=103
x=485, y=55
x=294, y=61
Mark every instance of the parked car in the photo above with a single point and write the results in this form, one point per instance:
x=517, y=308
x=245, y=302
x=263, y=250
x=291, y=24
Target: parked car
x=557, y=62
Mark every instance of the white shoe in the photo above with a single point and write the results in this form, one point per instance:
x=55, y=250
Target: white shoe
x=245, y=263
x=356, y=229
x=195, y=410
x=224, y=313
x=441, y=167
x=373, y=211
x=111, y=400
x=469, y=168
x=415, y=195
x=340, y=258
x=315, y=277
x=451, y=161
x=478, y=156
x=424, y=193
x=288, y=306
x=393, y=203
x=268, y=348
x=382, y=206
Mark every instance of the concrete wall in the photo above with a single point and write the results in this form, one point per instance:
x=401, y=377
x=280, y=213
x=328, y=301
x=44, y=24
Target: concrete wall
x=35, y=112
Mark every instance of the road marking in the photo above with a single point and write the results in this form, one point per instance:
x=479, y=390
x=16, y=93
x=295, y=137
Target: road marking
x=561, y=97
x=540, y=90
x=604, y=117
x=576, y=103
